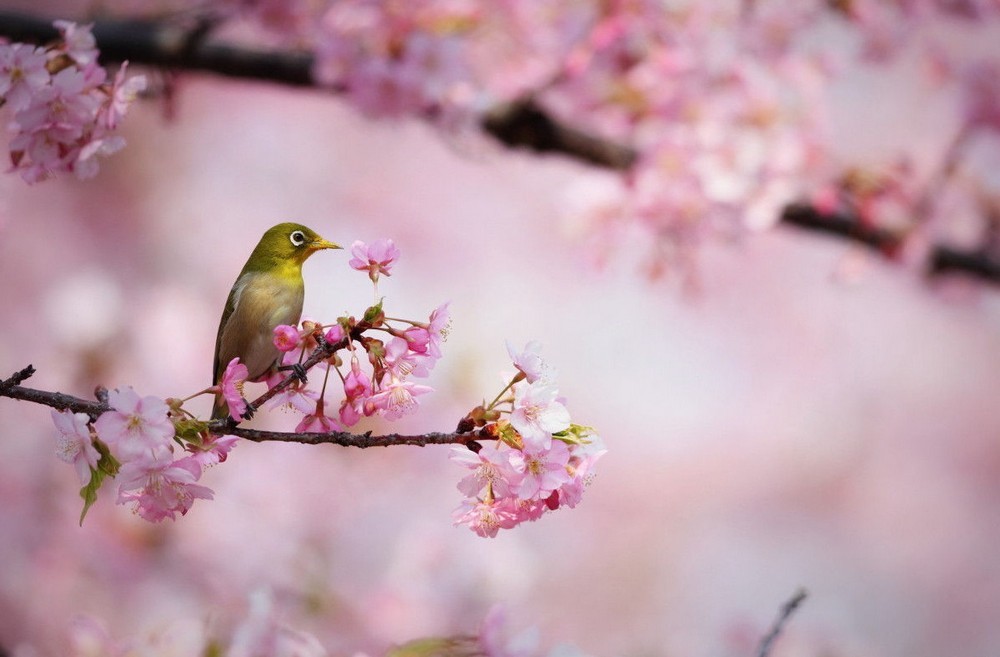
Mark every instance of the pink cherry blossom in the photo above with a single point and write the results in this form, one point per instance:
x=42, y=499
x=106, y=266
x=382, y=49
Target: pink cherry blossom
x=74, y=444
x=401, y=361
x=437, y=330
x=581, y=467
x=357, y=390
x=490, y=467
x=295, y=396
x=214, y=450
x=78, y=42
x=375, y=258
x=485, y=518
x=286, y=338
x=529, y=362
x=317, y=422
x=417, y=338
x=397, y=398
x=537, y=414
x=161, y=489
x=541, y=471
x=335, y=334
x=231, y=386
x=138, y=427
x=22, y=74
x=122, y=94
x=86, y=166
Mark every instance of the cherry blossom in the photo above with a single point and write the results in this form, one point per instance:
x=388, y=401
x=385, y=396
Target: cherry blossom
x=541, y=471
x=22, y=74
x=376, y=258
x=138, y=427
x=286, y=338
x=74, y=444
x=485, y=518
x=161, y=489
x=231, y=386
x=529, y=362
x=490, y=468
x=397, y=397
x=537, y=414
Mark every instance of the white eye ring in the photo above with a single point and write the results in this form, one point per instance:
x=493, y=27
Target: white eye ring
x=297, y=238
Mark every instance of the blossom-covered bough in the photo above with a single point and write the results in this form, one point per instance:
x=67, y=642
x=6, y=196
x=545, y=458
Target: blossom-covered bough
x=713, y=112
x=525, y=454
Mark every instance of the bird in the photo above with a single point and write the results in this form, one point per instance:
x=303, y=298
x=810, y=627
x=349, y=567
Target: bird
x=268, y=292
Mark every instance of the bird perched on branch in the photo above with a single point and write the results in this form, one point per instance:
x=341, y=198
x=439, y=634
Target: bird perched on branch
x=268, y=292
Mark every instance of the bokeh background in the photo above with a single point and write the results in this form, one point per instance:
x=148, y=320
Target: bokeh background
x=813, y=417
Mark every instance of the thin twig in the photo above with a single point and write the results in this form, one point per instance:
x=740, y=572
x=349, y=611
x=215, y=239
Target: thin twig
x=786, y=611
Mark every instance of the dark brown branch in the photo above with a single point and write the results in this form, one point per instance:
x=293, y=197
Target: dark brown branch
x=943, y=259
x=357, y=440
x=784, y=614
x=60, y=401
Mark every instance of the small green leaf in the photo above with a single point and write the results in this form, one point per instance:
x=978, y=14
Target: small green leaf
x=576, y=434
x=89, y=492
x=190, y=430
x=455, y=646
x=107, y=466
x=374, y=314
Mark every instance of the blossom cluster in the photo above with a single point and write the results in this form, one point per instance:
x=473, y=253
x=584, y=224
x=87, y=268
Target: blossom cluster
x=65, y=109
x=540, y=460
x=533, y=458
x=376, y=374
x=136, y=443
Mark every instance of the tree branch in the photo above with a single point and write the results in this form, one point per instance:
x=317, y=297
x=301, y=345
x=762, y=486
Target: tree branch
x=10, y=388
x=942, y=259
x=784, y=614
x=521, y=124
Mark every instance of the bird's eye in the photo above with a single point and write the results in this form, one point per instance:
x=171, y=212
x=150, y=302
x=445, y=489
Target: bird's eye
x=297, y=238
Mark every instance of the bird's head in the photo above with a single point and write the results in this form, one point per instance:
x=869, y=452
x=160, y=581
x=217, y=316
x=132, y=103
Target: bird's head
x=287, y=244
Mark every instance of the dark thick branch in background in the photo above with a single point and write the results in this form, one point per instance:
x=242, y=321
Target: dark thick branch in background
x=524, y=124
x=11, y=388
x=943, y=259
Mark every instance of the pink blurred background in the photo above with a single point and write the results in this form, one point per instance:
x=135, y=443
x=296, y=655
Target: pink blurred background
x=815, y=417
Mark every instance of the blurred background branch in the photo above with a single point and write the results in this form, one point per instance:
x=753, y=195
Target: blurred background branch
x=185, y=45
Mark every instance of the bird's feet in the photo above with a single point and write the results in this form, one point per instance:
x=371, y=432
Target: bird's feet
x=251, y=409
x=297, y=370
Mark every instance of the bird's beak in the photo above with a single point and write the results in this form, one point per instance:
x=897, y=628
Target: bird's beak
x=319, y=244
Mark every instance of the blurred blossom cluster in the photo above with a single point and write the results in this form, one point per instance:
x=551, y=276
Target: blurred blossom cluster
x=261, y=632
x=724, y=101
x=64, y=107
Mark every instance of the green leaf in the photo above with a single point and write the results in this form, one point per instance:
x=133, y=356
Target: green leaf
x=576, y=434
x=89, y=492
x=456, y=646
x=190, y=430
x=107, y=466
x=374, y=314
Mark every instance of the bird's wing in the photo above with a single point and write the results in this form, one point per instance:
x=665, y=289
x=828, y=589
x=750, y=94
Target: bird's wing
x=260, y=301
x=227, y=313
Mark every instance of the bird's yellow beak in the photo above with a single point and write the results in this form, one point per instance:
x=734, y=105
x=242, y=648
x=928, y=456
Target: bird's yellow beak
x=320, y=244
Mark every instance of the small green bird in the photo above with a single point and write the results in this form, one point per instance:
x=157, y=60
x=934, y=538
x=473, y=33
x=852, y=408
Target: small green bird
x=268, y=292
